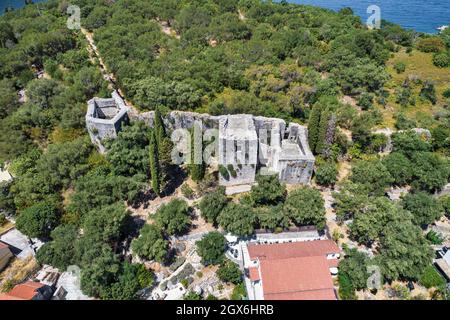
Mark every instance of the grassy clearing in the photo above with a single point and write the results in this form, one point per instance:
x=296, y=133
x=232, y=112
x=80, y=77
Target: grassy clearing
x=421, y=65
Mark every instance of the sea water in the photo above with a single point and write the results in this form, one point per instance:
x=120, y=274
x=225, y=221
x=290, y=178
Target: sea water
x=420, y=15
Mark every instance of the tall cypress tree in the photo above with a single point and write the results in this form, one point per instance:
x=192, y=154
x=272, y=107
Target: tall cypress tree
x=164, y=145
x=313, y=126
x=196, y=170
x=322, y=134
x=154, y=163
x=160, y=130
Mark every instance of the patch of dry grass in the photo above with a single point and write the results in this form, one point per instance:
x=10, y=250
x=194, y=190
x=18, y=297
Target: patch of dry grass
x=421, y=65
x=5, y=227
x=17, y=272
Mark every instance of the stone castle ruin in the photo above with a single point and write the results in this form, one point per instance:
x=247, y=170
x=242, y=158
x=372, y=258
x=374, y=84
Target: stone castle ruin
x=104, y=118
x=246, y=143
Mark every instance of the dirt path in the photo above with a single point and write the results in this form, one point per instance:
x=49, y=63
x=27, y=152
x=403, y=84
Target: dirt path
x=168, y=30
x=344, y=170
x=241, y=15
x=94, y=55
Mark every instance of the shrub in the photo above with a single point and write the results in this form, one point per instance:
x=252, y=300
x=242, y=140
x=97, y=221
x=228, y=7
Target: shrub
x=2, y=219
x=446, y=93
x=432, y=44
x=365, y=101
x=8, y=285
x=441, y=60
x=431, y=278
x=403, y=123
x=239, y=292
x=178, y=263
x=400, y=67
x=346, y=289
x=428, y=92
x=326, y=174
x=400, y=292
x=229, y=272
x=434, y=237
x=192, y=296
x=187, y=191
x=232, y=171
x=185, y=283
x=445, y=202
x=224, y=172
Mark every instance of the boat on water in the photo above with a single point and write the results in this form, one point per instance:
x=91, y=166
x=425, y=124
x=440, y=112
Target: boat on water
x=442, y=28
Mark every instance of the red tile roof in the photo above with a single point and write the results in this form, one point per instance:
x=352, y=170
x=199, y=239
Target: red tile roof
x=325, y=294
x=333, y=263
x=23, y=291
x=305, y=278
x=292, y=249
x=254, y=273
x=296, y=270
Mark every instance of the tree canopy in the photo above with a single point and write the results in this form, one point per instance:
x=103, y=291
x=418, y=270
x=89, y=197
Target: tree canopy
x=305, y=206
x=424, y=208
x=151, y=244
x=212, y=204
x=211, y=248
x=268, y=190
x=373, y=175
x=173, y=217
x=39, y=220
x=238, y=219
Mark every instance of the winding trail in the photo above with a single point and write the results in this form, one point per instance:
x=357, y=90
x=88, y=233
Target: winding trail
x=94, y=56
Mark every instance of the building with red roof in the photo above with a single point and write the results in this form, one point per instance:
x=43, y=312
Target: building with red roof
x=28, y=291
x=292, y=271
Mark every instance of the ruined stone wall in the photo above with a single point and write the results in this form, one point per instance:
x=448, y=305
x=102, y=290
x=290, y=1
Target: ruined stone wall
x=267, y=147
x=101, y=127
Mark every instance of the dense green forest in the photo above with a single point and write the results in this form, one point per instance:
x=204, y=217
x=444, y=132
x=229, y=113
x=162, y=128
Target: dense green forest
x=295, y=62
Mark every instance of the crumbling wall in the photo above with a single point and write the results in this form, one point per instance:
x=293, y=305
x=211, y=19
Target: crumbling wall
x=265, y=147
x=101, y=126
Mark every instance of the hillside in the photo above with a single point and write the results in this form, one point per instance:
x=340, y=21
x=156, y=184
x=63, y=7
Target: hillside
x=130, y=213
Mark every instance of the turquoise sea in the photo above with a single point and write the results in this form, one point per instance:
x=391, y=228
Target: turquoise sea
x=420, y=15
x=14, y=3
